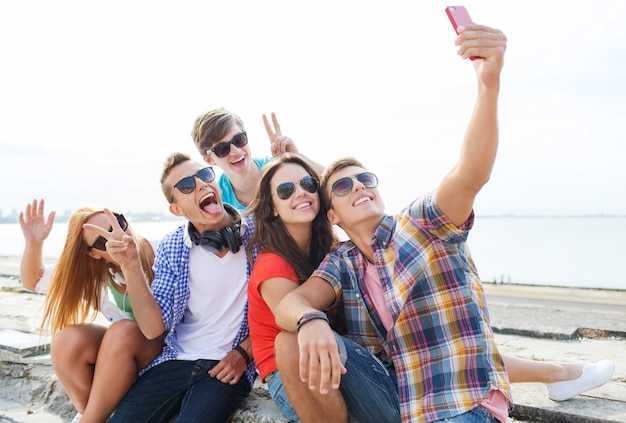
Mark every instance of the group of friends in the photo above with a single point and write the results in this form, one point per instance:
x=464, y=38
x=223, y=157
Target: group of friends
x=389, y=325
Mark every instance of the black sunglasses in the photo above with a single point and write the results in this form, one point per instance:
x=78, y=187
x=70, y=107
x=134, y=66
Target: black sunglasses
x=343, y=186
x=286, y=190
x=223, y=148
x=101, y=242
x=188, y=184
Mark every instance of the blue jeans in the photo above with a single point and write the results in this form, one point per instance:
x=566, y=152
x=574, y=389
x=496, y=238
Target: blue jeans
x=369, y=387
x=184, y=388
x=279, y=396
x=477, y=415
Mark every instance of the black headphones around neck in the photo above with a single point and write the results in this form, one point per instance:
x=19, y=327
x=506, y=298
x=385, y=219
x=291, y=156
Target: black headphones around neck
x=227, y=237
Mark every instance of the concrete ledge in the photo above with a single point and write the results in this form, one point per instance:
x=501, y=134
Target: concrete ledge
x=31, y=393
x=259, y=408
x=29, y=388
x=539, y=415
x=601, y=405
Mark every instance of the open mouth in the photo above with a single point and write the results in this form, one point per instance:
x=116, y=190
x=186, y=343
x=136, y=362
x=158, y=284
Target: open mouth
x=209, y=203
x=361, y=200
x=238, y=162
x=304, y=205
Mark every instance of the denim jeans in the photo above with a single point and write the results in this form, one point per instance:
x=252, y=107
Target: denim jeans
x=279, y=396
x=369, y=387
x=184, y=388
x=476, y=415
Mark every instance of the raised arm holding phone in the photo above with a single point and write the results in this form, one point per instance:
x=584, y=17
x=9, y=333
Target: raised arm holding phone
x=407, y=282
x=399, y=318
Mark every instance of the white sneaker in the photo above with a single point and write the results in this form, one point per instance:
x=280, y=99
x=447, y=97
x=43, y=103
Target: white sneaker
x=77, y=418
x=594, y=375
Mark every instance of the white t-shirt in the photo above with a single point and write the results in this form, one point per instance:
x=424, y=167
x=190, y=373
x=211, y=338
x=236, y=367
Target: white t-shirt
x=218, y=293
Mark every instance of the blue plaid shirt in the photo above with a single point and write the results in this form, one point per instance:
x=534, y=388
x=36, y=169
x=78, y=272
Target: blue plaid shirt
x=170, y=287
x=440, y=344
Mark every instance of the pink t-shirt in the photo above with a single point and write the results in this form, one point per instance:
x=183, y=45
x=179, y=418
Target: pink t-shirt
x=495, y=402
x=375, y=290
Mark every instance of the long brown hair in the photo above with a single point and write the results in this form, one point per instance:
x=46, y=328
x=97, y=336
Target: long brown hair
x=271, y=234
x=77, y=281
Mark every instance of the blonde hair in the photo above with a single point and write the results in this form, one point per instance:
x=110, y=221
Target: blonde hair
x=76, y=284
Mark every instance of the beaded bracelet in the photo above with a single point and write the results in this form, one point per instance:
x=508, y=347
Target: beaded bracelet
x=244, y=354
x=311, y=315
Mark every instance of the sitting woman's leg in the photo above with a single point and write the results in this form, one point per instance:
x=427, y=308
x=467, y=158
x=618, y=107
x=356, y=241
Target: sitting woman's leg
x=123, y=352
x=73, y=353
x=524, y=370
x=563, y=380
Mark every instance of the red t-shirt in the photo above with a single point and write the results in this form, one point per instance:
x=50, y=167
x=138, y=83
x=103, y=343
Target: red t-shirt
x=263, y=328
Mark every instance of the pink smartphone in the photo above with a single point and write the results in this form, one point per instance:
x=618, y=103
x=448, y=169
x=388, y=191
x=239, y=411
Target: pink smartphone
x=458, y=16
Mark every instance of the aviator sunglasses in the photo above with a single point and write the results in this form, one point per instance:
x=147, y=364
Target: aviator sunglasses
x=223, y=148
x=286, y=190
x=100, y=242
x=188, y=184
x=343, y=186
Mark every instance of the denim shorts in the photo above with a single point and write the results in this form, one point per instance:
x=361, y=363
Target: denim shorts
x=279, y=395
x=368, y=387
x=476, y=415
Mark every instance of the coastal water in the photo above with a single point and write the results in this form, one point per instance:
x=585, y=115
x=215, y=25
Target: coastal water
x=559, y=251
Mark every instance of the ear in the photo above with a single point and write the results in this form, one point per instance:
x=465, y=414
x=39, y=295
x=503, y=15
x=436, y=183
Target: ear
x=209, y=160
x=332, y=217
x=176, y=211
x=94, y=254
x=274, y=212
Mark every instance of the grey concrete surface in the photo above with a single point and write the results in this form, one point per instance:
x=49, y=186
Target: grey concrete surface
x=539, y=323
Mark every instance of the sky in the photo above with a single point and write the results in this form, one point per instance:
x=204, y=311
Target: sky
x=95, y=95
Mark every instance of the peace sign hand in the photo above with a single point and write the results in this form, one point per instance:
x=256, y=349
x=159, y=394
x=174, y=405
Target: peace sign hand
x=120, y=245
x=280, y=143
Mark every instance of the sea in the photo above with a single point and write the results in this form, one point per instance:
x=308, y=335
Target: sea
x=577, y=252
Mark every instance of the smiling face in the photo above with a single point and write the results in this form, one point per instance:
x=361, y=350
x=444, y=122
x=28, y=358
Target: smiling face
x=238, y=162
x=302, y=206
x=90, y=237
x=359, y=206
x=203, y=206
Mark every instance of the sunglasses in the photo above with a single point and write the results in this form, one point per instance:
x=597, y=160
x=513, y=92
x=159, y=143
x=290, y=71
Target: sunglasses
x=100, y=242
x=286, y=190
x=188, y=184
x=223, y=148
x=343, y=186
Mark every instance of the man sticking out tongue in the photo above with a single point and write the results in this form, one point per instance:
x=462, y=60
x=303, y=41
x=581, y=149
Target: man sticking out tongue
x=198, y=299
